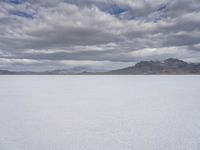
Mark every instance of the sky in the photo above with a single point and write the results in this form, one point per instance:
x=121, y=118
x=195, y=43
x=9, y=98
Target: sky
x=96, y=35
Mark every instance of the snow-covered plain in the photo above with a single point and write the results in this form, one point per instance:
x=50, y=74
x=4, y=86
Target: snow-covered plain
x=99, y=112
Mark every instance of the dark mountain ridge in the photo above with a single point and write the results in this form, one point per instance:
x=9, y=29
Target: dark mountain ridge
x=168, y=66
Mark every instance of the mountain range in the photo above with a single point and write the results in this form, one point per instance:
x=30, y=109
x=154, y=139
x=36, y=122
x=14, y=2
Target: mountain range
x=168, y=66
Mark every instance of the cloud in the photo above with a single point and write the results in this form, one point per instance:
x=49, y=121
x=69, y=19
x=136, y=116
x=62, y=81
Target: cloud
x=50, y=31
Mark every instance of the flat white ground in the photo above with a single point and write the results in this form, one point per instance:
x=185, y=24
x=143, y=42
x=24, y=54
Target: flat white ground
x=99, y=112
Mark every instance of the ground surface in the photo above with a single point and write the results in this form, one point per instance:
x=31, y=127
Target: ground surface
x=99, y=112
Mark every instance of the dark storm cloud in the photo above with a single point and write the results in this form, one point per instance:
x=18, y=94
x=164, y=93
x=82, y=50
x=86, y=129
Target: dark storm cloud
x=99, y=32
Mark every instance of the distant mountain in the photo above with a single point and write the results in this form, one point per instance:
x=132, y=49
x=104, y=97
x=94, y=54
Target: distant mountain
x=168, y=66
x=74, y=70
x=5, y=72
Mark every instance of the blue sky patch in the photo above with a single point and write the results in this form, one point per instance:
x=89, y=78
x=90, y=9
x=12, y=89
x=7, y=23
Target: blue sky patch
x=22, y=14
x=16, y=1
x=162, y=8
x=115, y=10
x=13, y=1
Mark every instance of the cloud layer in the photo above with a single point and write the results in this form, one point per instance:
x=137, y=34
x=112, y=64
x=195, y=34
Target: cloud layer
x=100, y=34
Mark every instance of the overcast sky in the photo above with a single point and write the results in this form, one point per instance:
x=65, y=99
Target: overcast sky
x=96, y=34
